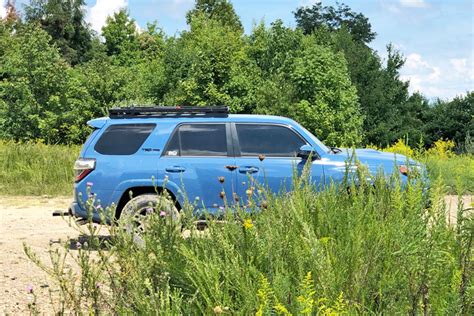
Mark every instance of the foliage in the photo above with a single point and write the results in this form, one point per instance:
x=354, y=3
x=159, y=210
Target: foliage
x=64, y=22
x=41, y=98
x=451, y=120
x=318, y=16
x=374, y=250
x=442, y=149
x=327, y=101
x=55, y=74
x=221, y=11
x=121, y=36
x=400, y=147
x=210, y=66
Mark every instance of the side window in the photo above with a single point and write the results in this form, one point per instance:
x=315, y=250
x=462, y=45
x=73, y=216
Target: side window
x=198, y=140
x=123, y=139
x=270, y=140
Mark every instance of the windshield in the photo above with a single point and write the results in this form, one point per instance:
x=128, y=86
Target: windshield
x=319, y=143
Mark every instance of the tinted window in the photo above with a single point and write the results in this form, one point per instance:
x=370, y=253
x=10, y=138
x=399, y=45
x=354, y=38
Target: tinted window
x=198, y=140
x=123, y=139
x=270, y=140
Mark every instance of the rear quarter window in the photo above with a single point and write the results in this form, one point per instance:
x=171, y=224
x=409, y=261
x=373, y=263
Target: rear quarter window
x=123, y=139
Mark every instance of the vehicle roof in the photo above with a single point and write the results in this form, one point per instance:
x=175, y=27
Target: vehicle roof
x=100, y=122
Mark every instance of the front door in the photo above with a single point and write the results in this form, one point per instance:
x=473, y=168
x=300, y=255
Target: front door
x=266, y=156
x=199, y=159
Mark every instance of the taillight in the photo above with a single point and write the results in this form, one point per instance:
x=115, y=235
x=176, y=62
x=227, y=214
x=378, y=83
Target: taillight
x=82, y=167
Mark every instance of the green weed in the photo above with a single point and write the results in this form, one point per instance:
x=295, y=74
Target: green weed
x=372, y=250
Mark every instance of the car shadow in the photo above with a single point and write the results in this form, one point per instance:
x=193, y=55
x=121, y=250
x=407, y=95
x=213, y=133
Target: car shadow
x=87, y=242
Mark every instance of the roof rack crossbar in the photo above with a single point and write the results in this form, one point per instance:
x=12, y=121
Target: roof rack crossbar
x=167, y=111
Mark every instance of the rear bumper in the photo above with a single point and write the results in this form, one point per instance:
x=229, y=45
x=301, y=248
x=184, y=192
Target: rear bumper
x=79, y=212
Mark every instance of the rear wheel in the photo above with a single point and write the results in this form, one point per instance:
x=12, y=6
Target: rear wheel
x=135, y=213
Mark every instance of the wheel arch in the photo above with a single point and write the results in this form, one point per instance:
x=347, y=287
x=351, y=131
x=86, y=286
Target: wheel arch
x=135, y=191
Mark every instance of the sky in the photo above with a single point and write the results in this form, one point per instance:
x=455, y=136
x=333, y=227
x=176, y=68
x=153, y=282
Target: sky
x=435, y=36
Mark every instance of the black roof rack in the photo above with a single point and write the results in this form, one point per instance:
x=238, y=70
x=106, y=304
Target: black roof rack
x=168, y=111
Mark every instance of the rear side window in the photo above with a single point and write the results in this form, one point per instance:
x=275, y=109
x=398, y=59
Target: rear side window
x=198, y=140
x=123, y=139
x=269, y=140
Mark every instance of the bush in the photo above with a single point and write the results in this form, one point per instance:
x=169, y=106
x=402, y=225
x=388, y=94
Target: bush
x=372, y=250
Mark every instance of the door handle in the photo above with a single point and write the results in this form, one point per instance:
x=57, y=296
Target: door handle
x=175, y=169
x=231, y=167
x=248, y=169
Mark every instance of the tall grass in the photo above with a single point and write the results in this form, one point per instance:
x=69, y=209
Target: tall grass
x=36, y=169
x=368, y=250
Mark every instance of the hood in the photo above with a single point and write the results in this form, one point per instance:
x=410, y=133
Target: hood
x=371, y=155
x=373, y=159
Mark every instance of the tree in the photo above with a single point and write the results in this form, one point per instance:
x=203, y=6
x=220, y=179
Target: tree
x=12, y=15
x=381, y=93
x=306, y=81
x=121, y=36
x=40, y=99
x=326, y=100
x=275, y=48
x=451, y=120
x=312, y=18
x=218, y=10
x=64, y=21
x=203, y=64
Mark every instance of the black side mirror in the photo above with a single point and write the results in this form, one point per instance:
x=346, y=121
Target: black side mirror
x=307, y=151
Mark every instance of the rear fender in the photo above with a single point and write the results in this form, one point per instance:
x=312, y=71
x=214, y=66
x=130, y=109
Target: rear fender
x=163, y=184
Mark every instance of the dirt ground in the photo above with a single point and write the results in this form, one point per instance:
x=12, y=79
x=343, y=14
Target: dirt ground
x=29, y=220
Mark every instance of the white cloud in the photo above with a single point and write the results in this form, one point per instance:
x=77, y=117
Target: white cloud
x=307, y=3
x=417, y=66
x=178, y=8
x=392, y=8
x=438, y=78
x=413, y=3
x=463, y=67
x=3, y=10
x=97, y=14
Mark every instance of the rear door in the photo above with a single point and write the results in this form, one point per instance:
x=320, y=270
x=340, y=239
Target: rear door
x=199, y=159
x=266, y=156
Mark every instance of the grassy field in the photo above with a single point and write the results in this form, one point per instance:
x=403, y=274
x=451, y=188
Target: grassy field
x=36, y=169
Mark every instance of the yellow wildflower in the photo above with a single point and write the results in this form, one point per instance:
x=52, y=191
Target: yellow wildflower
x=248, y=224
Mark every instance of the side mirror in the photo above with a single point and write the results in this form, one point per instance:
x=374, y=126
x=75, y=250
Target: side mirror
x=307, y=151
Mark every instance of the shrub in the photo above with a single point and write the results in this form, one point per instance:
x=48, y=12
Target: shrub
x=442, y=149
x=401, y=147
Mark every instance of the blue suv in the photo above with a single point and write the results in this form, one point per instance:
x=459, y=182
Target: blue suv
x=204, y=155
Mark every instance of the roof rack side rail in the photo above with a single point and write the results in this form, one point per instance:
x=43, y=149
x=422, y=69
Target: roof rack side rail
x=168, y=111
